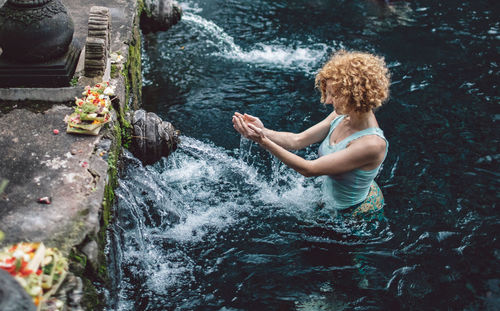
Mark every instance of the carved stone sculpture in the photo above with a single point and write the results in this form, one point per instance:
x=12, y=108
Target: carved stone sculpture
x=34, y=30
x=153, y=138
x=160, y=15
x=98, y=41
x=37, y=44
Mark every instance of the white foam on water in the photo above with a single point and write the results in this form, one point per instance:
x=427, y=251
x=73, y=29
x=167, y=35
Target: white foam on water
x=285, y=184
x=196, y=225
x=295, y=56
x=206, y=158
x=301, y=58
x=145, y=65
x=197, y=170
x=219, y=37
x=169, y=269
x=190, y=7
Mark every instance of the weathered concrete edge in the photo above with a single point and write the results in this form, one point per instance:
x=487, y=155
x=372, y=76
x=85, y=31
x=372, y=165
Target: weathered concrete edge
x=56, y=95
x=128, y=81
x=50, y=95
x=127, y=77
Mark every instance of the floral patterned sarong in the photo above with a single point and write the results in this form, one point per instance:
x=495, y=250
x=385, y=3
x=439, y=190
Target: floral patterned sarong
x=371, y=208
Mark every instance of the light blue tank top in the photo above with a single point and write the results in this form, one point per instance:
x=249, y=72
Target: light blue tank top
x=345, y=190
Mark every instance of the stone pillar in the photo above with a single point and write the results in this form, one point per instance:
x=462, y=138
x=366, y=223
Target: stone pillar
x=98, y=41
x=38, y=48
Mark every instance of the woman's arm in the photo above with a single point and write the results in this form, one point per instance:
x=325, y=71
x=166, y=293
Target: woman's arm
x=287, y=140
x=364, y=151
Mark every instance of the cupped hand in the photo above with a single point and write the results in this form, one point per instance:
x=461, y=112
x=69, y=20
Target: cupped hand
x=247, y=130
x=256, y=134
x=240, y=125
x=249, y=119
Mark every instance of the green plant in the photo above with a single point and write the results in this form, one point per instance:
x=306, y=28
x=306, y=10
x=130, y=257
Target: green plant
x=3, y=185
x=74, y=81
x=114, y=71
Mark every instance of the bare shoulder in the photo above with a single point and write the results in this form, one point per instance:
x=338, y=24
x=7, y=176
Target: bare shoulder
x=372, y=145
x=374, y=141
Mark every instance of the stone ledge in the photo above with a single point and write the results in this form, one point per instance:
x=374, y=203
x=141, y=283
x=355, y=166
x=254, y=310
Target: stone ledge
x=71, y=169
x=56, y=95
x=76, y=219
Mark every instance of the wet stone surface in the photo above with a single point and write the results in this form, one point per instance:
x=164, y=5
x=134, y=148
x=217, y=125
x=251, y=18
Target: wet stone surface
x=55, y=181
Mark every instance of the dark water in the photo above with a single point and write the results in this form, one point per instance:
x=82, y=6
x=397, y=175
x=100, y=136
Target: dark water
x=221, y=225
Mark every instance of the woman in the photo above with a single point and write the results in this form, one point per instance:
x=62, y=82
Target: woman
x=353, y=146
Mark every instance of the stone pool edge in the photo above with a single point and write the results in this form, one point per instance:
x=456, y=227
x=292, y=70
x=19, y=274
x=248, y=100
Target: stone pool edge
x=79, y=173
x=129, y=93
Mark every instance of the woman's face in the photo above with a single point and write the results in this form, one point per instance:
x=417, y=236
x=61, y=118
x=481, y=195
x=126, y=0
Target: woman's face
x=333, y=98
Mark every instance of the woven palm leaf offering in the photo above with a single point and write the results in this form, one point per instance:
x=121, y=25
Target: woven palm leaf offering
x=92, y=111
x=39, y=270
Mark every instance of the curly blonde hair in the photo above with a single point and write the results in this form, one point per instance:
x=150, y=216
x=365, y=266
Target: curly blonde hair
x=362, y=79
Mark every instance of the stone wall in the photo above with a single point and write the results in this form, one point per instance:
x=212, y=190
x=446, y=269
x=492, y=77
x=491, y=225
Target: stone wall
x=77, y=173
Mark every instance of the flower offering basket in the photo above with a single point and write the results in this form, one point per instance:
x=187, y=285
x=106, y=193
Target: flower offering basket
x=92, y=111
x=39, y=270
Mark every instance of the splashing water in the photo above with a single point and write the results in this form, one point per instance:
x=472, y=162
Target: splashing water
x=192, y=215
x=303, y=57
